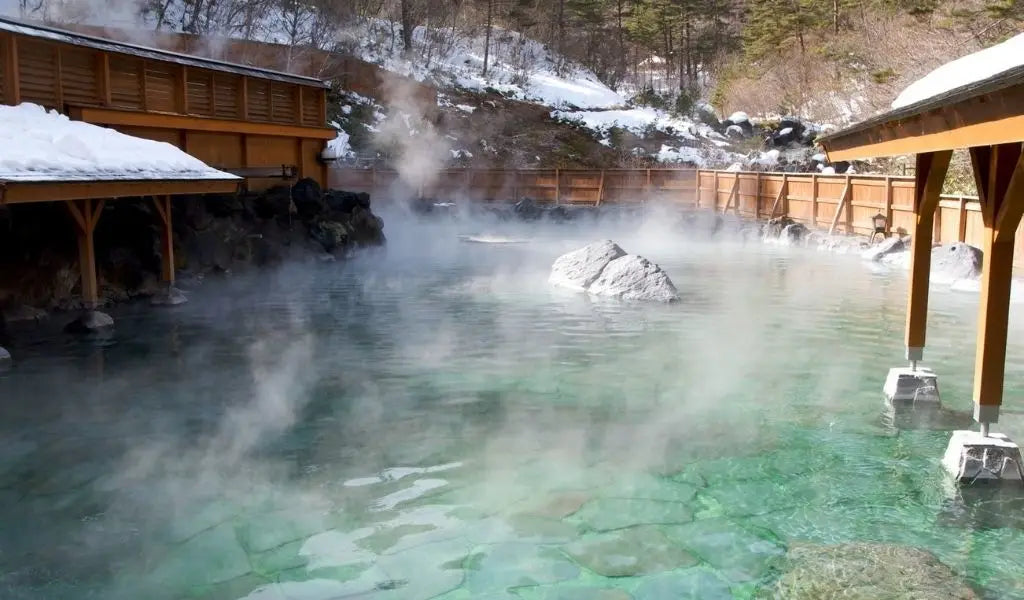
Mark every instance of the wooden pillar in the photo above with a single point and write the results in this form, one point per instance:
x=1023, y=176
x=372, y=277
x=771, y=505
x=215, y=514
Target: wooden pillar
x=962, y=221
x=163, y=208
x=999, y=172
x=888, y=206
x=929, y=177
x=698, y=189
x=86, y=214
x=814, y=201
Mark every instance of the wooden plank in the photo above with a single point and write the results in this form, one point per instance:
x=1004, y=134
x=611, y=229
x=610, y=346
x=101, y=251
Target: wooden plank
x=600, y=191
x=962, y=221
x=888, y=205
x=104, y=76
x=778, y=197
x=106, y=116
x=814, y=200
x=732, y=194
x=843, y=200
x=13, y=85
x=23, y=193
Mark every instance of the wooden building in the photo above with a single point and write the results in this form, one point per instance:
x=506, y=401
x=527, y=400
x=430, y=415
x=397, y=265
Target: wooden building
x=261, y=124
x=986, y=117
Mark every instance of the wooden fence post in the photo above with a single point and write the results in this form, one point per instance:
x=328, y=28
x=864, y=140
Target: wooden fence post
x=558, y=184
x=600, y=189
x=714, y=196
x=757, y=198
x=515, y=186
x=781, y=196
x=697, y=188
x=839, y=207
x=814, y=201
x=888, y=206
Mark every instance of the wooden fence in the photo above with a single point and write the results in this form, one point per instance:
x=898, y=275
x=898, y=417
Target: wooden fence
x=838, y=203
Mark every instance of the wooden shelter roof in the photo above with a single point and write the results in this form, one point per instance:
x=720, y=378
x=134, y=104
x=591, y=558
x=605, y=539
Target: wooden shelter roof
x=60, y=35
x=984, y=113
x=23, y=192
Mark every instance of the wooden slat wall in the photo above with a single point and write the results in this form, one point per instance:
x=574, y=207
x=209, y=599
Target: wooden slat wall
x=59, y=75
x=80, y=81
x=126, y=80
x=37, y=72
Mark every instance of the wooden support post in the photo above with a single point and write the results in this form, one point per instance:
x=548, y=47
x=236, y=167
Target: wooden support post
x=757, y=197
x=600, y=190
x=929, y=177
x=783, y=192
x=733, y=194
x=558, y=185
x=714, y=197
x=86, y=214
x=13, y=84
x=888, y=206
x=697, y=193
x=999, y=171
x=814, y=201
x=515, y=186
x=843, y=200
x=163, y=208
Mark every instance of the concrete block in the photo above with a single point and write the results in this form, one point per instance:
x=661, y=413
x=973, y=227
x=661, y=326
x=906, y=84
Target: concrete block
x=972, y=457
x=904, y=384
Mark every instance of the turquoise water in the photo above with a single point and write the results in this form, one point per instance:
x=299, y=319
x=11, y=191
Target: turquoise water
x=437, y=422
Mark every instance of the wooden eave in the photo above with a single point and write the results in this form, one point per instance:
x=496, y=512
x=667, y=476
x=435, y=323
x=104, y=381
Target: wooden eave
x=23, y=192
x=134, y=118
x=986, y=113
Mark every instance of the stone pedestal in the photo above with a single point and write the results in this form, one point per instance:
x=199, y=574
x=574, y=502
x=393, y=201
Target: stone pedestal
x=90, y=322
x=975, y=458
x=170, y=296
x=905, y=385
x=5, y=357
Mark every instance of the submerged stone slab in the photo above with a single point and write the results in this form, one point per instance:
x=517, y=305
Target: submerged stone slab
x=169, y=297
x=211, y=557
x=580, y=268
x=629, y=552
x=90, y=322
x=972, y=457
x=736, y=552
x=505, y=566
x=608, y=514
x=695, y=584
x=863, y=571
x=634, y=278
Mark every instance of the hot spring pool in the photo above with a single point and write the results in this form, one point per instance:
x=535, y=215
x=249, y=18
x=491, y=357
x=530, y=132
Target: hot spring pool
x=438, y=422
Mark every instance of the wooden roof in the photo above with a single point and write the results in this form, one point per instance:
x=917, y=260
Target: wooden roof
x=23, y=192
x=77, y=39
x=983, y=113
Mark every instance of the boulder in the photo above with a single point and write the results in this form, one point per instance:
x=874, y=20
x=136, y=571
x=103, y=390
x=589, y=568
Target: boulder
x=346, y=202
x=5, y=357
x=90, y=321
x=774, y=227
x=527, y=210
x=865, y=571
x=634, y=278
x=580, y=268
x=735, y=132
x=275, y=202
x=331, y=234
x=884, y=248
x=957, y=261
x=308, y=199
x=793, y=233
x=366, y=228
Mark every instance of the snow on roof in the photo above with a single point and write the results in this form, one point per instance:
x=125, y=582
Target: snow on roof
x=964, y=71
x=37, y=145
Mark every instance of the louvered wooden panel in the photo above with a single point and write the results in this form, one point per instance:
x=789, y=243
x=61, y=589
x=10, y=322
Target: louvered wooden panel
x=311, y=107
x=199, y=92
x=3, y=70
x=258, y=100
x=161, y=84
x=225, y=96
x=282, y=103
x=126, y=82
x=79, y=77
x=37, y=72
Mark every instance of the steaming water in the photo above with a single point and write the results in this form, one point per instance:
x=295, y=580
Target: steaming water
x=438, y=422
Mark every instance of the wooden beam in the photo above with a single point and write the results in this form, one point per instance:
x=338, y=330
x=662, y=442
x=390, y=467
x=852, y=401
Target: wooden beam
x=13, y=86
x=1006, y=130
x=83, y=212
x=1010, y=186
x=104, y=76
x=843, y=200
x=181, y=90
x=128, y=118
x=930, y=174
x=732, y=193
x=600, y=190
x=22, y=193
x=163, y=208
x=783, y=192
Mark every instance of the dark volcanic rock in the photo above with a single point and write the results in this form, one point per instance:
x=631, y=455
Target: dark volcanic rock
x=794, y=233
x=774, y=227
x=527, y=209
x=308, y=199
x=346, y=202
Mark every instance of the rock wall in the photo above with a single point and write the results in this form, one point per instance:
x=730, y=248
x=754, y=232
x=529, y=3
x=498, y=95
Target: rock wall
x=212, y=234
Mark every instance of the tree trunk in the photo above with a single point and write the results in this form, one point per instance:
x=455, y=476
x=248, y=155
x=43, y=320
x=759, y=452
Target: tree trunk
x=487, y=36
x=407, y=26
x=561, y=34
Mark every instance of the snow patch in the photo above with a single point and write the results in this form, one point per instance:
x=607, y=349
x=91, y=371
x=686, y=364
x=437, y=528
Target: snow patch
x=739, y=117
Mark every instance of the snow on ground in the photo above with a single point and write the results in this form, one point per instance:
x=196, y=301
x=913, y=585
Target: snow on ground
x=964, y=71
x=41, y=145
x=518, y=66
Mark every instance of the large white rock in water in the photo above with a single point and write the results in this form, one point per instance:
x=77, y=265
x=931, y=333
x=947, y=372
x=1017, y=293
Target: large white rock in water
x=634, y=278
x=580, y=268
x=956, y=261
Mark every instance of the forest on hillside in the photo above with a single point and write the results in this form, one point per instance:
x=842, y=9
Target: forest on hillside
x=833, y=60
